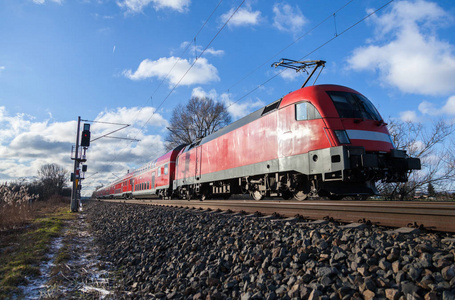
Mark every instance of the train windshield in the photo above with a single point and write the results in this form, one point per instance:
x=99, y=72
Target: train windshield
x=350, y=105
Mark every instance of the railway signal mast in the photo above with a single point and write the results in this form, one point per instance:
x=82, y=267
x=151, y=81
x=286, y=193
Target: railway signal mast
x=78, y=159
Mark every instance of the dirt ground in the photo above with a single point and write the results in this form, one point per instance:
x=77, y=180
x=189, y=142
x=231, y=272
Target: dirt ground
x=74, y=268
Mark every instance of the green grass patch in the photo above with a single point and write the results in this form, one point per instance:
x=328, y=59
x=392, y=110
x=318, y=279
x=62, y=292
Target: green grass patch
x=22, y=252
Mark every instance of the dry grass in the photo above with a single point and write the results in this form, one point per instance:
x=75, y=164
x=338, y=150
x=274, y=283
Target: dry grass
x=26, y=238
x=17, y=215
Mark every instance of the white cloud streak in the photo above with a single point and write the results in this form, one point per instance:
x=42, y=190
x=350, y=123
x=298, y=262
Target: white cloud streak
x=202, y=71
x=243, y=17
x=137, y=6
x=408, y=53
x=43, y=1
x=197, y=49
x=287, y=18
x=429, y=108
x=408, y=116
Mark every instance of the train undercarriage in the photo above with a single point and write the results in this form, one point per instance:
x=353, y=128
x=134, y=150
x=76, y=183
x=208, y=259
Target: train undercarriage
x=352, y=173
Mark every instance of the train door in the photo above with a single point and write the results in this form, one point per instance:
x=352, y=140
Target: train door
x=198, y=162
x=285, y=134
x=153, y=180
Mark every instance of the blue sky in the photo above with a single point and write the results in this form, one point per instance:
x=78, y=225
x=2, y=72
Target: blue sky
x=124, y=61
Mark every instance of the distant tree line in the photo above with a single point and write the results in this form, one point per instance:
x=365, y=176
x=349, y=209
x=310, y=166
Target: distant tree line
x=47, y=189
x=51, y=181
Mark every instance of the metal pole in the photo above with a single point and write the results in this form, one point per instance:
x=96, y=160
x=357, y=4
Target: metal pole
x=74, y=194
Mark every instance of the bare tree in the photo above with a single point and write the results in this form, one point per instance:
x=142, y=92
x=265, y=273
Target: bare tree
x=200, y=117
x=52, y=179
x=433, y=147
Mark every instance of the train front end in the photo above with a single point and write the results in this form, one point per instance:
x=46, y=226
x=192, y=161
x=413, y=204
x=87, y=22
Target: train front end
x=362, y=150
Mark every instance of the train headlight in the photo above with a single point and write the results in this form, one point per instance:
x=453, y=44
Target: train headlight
x=342, y=136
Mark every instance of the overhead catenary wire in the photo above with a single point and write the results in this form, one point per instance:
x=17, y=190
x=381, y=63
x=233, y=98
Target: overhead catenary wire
x=312, y=51
x=178, y=59
x=288, y=46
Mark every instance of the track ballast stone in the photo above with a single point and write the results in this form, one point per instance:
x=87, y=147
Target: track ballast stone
x=171, y=253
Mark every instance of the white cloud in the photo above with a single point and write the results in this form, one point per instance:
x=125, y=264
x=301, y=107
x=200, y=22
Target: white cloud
x=136, y=6
x=43, y=1
x=236, y=110
x=408, y=54
x=202, y=72
x=288, y=18
x=449, y=107
x=291, y=75
x=2, y=68
x=27, y=144
x=197, y=50
x=429, y=108
x=243, y=17
x=134, y=116
x=408, y=116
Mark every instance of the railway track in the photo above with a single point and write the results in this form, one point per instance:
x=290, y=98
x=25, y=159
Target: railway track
x=438, y=216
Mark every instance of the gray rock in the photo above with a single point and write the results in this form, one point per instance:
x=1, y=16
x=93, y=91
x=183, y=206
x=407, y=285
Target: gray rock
x=409, y=288
x=447, y=295
x=327, y=271
x=385, y=265
x=448, y=272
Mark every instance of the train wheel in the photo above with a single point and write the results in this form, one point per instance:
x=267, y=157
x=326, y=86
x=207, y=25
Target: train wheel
x=300, y=195
x=256, y=195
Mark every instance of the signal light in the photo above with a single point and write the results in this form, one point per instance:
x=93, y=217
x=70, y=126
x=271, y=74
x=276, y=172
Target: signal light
x=85, y=141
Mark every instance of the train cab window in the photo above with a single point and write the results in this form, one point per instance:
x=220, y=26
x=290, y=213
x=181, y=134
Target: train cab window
x=351, y=105
x=159, y=172
x=165, y=169
x=306, y=111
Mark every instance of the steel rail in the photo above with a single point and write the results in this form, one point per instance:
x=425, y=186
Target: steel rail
x=438, y=216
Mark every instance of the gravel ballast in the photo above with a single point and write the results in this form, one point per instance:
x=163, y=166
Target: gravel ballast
x=173, y=253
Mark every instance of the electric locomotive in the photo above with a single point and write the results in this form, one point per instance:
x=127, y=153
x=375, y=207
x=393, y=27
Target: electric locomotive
x=325, y=140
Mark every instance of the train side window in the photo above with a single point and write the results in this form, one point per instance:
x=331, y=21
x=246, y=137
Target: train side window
x=159, y=172
x=306, y=111
x=165, y=169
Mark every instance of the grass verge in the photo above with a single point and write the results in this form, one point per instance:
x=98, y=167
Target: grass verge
x=21, y=251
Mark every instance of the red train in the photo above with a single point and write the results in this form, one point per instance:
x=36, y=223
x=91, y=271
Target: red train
x=324, y=140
